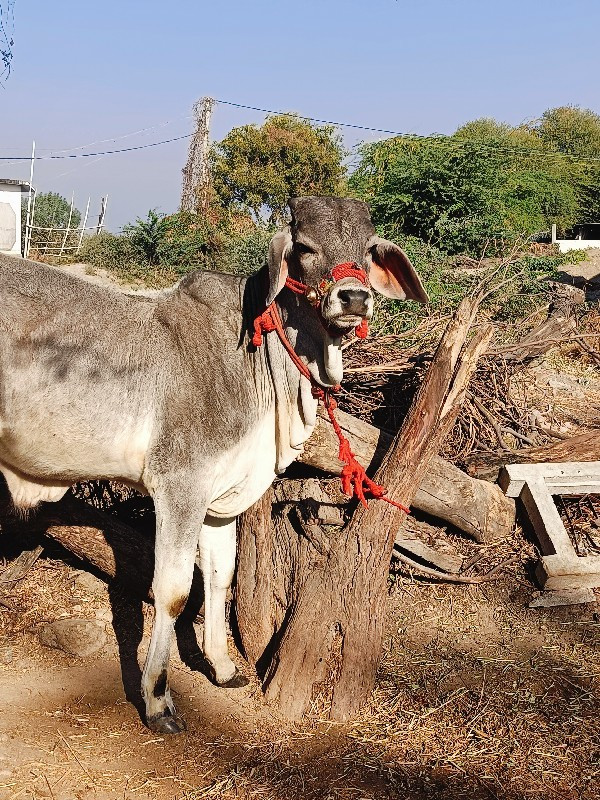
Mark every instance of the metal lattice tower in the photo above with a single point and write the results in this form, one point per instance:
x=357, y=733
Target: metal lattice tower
x=196, y=174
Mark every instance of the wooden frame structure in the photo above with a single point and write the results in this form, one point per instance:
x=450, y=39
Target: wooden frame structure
x=535, y=484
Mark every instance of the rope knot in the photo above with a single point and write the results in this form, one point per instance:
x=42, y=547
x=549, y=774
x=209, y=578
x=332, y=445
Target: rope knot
x=264, y=323
x=350, y=269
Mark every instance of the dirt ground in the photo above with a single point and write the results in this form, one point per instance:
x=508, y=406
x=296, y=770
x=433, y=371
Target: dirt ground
x=477, y=696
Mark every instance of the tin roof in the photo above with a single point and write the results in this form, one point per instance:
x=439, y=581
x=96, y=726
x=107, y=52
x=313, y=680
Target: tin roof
x=15, y=182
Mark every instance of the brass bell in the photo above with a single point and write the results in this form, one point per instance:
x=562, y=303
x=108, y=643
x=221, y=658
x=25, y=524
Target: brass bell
x=312, y=295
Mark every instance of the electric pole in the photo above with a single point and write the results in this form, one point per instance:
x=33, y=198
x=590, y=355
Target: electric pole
x=196, y=173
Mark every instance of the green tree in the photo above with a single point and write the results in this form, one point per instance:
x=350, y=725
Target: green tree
x=147, y=235
x=51, y=217
x=52, y=211
x=256, y=168
x=570, y=130
x=486, y=182
x=576, y=133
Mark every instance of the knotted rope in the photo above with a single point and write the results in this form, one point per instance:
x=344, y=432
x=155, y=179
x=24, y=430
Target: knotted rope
x=354, y=479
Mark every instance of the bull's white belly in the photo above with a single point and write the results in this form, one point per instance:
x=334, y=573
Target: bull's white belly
x=39, y=466
x=245, y=472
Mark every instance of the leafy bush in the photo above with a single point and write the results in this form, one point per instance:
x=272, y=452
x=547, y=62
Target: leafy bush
x=464, y=193
x=110, y=251
x=52, y=219
x=157, y=250
x=147, y=235
x=246, y=252
x=522, y=281
x=189, y=242
x=444, y=284
x=528, y=284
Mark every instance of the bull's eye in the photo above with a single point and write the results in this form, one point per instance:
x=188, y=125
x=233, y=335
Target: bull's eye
x=304, y=249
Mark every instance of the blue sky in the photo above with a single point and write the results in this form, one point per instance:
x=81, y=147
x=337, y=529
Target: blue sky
x=85, y=72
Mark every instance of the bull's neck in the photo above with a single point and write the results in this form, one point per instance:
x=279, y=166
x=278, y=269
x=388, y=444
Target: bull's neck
x=295, y=408
x=271, y=356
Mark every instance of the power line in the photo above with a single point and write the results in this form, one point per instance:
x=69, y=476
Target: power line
x=103, y=153
x=50, y=151
x=326, y=121
x=436, y=138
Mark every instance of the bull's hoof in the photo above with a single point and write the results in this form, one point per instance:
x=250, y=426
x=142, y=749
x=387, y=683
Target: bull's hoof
x=236, y=681
x=166, y=723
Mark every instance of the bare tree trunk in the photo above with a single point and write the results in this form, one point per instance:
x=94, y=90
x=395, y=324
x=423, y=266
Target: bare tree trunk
x=335, y=615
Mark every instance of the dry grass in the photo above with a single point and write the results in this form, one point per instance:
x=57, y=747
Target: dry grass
x=477, y=697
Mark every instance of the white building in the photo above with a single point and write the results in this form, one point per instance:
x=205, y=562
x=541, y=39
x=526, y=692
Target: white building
x=10, y=215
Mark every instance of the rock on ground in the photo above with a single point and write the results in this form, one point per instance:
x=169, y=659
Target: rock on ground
x=78, y=637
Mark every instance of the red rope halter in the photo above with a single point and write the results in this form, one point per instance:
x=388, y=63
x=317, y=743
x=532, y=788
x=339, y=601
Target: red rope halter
x=355, y=481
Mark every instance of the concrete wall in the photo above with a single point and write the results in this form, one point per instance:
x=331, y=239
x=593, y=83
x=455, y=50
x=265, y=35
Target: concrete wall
x=564, y=245
x=10, y=219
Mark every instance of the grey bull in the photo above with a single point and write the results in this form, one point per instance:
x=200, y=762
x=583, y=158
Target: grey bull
x=167, y=394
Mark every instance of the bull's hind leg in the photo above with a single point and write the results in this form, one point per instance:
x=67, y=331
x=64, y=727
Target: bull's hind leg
x=217, y=561
x=177, y=527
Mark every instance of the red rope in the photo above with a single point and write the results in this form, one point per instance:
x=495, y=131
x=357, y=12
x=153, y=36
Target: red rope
x=349, y=269
x=355, y=481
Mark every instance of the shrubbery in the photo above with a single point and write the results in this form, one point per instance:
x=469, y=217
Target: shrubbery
x=523, y=281
x=159, y=249
x=488, y=185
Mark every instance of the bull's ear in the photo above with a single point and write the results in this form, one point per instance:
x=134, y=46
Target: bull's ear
x=279, y=250
x=391, y=272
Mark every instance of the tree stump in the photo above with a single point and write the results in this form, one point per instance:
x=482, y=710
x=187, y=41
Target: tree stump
x=311, y=606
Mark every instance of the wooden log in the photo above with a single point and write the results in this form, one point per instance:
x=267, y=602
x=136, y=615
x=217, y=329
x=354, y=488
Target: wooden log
x=336, y=620
x=539, y=340
x=475, y=507
x=116, y=549
x=582, y=447
x=19, y=567
x=119, y=551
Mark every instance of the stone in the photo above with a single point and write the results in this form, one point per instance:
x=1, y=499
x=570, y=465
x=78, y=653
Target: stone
x=563, y=383
x=104, y=615
x=90, y=584
x=562, y=597
x=77, y=637
x=6, y=654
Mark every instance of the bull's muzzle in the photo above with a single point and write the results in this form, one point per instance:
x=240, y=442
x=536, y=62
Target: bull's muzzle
x=354, y=301
x=347, y=304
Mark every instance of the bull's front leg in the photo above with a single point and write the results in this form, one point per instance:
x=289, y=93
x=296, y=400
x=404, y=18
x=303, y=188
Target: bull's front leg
x=217, y=562
x=178, y=521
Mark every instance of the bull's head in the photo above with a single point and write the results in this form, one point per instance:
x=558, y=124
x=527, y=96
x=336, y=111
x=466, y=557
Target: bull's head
x=324, y=233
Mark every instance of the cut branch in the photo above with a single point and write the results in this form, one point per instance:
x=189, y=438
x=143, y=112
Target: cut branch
x=475, y=507
x=582, y=447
